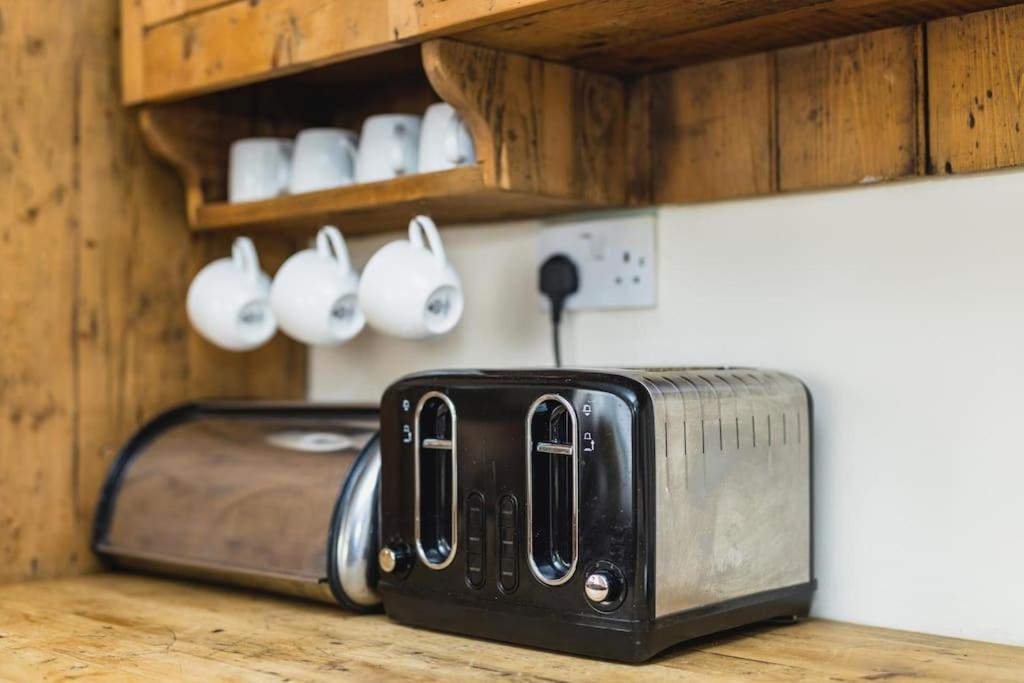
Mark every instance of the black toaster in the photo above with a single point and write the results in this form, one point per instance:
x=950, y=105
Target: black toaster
x=609, y=513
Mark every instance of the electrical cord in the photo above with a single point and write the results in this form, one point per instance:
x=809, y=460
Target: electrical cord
x=559, y=279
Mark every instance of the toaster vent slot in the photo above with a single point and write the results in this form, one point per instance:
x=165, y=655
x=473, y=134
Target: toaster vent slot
x=552, y=503
x=436, y=480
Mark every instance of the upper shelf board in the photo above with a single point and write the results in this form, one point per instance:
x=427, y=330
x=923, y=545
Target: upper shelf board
x=177, y=48
x=458, y=196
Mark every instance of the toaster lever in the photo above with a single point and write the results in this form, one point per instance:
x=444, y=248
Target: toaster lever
x=552, y=490
x=438, y=444
x=555, y=448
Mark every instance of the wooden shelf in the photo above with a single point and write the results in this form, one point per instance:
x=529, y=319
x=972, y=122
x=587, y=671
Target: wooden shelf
x=118, y=627
x=178, y=48
x=549, y=139
x=553, y=131
x=456, y=196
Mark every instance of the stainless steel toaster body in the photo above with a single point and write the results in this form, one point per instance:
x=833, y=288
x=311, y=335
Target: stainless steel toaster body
x=611, y=513
x=733, y=484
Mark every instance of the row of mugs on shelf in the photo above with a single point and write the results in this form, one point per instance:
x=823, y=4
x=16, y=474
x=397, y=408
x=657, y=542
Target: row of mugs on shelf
x=390, y=145
x=407, y=289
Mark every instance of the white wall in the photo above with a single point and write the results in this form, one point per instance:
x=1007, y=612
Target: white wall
x=901, y=306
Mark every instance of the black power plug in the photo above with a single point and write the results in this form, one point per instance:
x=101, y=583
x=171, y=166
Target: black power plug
x=559, y=278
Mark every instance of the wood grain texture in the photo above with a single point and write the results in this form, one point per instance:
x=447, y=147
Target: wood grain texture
x=125, y=628
x=636, y=36
x=40, y=224
x=97, y=259
x=193, y=46
x=424, y=18
x=160, y=11
x=713, y=127
x=456, y=196
x=538, y=126
x=848, y=110
x=241, y=42
x=976, y=93
x=131, y=29
x=639, y=140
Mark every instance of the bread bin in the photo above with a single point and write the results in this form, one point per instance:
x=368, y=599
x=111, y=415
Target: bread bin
x=280, y=497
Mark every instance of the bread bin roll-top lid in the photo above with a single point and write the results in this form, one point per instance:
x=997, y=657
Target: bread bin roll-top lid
x=281, y=497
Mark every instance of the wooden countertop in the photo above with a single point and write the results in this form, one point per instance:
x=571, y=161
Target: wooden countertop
x=119, y=627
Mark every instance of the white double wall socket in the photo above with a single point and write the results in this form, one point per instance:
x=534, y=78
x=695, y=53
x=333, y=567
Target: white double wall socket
x=615, y=254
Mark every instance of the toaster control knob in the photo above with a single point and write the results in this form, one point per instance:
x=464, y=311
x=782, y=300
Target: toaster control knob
x=604, y=586
x=598, y=587
x=393, y=559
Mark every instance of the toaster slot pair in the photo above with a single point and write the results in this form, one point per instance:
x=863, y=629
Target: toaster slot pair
x=436, y=480
x=552, y=495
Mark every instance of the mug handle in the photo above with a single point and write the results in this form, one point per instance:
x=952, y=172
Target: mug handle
x=453, y=147
x=423, y=225
x=399, y=162
x=349, y=148
x=329, y=240
x=284, y=171
x=243, y=254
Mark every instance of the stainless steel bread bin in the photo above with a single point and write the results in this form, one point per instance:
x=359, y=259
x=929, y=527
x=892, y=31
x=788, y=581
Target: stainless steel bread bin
x=279, y=497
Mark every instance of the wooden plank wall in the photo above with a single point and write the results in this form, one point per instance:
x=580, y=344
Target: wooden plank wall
x=95, y=258
x=938, y=98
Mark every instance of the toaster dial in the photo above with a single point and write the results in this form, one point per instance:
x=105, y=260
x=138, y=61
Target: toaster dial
x=604, y=586
x=395, y=559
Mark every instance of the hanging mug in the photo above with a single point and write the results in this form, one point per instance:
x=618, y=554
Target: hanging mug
x=408, y=288
x=314, y=294
x=227, y=301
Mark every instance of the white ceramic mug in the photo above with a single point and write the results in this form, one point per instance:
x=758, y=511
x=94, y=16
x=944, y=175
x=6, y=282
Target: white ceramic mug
x=259, y=168
x=323, y=158
x=445, y=140
x=314, y=296
x=408, y=288
x=227, y=300
x=388, y=147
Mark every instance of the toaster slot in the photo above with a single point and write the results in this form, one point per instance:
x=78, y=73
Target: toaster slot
x=436, y=480
x=552, y=496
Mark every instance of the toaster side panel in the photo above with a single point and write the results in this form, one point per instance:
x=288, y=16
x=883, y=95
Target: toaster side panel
x=732, y=478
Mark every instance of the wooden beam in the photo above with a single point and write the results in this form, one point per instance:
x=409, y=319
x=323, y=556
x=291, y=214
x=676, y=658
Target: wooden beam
x=241, y=42
x=713, y=130
x=976, y=91
x=848, y=110
x=161, y=11
x=133, y=86
x=630, y=37
x=40, y=225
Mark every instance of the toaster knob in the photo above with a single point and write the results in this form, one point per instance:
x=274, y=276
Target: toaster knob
x=602, y=587
x=393, y=559
x=598, y=587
